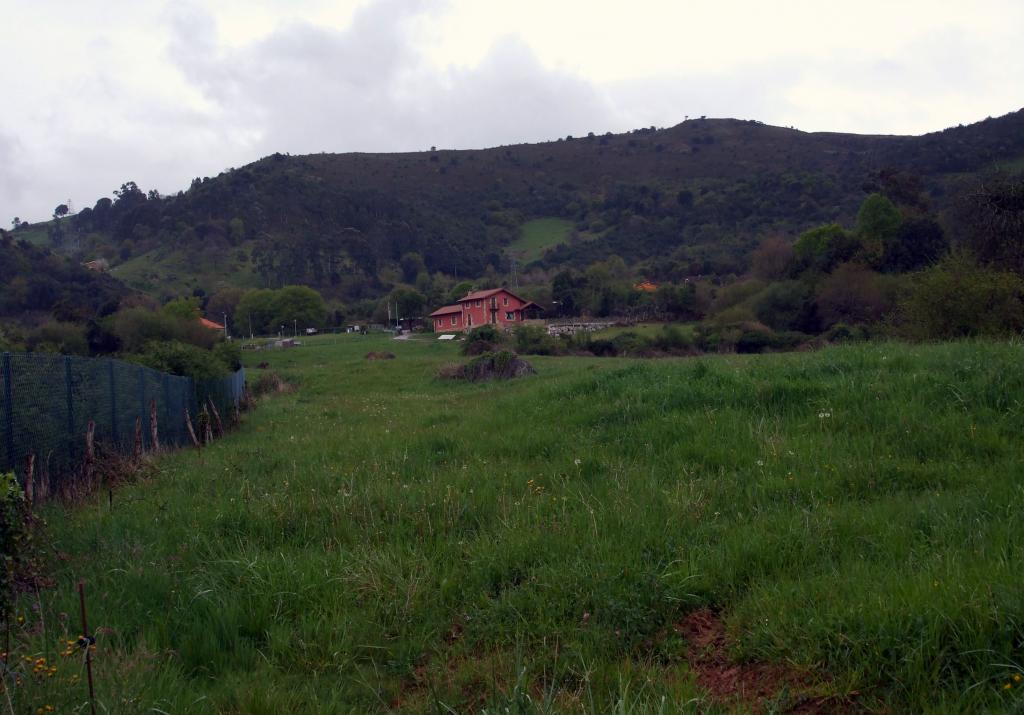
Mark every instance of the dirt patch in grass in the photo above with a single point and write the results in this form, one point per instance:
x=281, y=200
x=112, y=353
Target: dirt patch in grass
x=762, y=687
x=373, y=355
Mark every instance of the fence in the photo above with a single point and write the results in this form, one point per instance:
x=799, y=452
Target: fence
x=47, y=402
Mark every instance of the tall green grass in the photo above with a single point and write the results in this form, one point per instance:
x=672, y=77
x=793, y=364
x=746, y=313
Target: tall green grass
x=382, y=540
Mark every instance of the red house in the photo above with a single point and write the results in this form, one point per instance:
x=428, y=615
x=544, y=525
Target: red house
x=499, y=307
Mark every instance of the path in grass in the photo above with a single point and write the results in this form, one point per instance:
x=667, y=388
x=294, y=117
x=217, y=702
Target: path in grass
x=381, y=540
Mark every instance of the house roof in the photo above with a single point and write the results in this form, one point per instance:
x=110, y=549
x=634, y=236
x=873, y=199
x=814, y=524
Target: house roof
x=481, y=294
x=531, y=304
x=210, y=324
x=646, y=287
x=448, y=309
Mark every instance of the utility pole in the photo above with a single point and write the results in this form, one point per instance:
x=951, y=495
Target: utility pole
x=226, y=336
x=296, y=326
x=251, y=336
x=515, y=276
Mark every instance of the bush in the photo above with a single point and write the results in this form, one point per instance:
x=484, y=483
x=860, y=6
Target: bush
x=959, y=298
x=15, y=540
x=852, y=294
x=486, y=338
x=532, y=340
x=787, y=305
x=672, y=338
x=180, y=358
x=56, y=337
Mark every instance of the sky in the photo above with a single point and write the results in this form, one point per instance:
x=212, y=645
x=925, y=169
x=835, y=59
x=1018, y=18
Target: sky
x=99, y=93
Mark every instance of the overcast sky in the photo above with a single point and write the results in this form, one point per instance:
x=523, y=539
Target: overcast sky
x=98, y=93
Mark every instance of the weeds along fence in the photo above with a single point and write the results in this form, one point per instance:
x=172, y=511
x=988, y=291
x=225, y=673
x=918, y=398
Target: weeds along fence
x=54, y=408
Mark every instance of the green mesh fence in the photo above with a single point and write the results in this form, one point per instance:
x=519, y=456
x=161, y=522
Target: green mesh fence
x=47, y=401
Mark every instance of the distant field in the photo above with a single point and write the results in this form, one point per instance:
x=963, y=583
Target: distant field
x=35, y=234
x=537, y=236
x=169, y=273
x=378, y=540
x=644, y=329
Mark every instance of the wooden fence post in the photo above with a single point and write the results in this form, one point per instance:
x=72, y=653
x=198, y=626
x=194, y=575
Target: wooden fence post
x=191, y=432
x=216, y=417
x=154, y=436
x=90, y=452
x=137, y=450
x=8, y=415
x=30, y=477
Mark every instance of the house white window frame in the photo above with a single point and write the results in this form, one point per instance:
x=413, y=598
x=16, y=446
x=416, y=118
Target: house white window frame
x=455, y=320
x=510, y=315
x=478, y=303
x=504, y=300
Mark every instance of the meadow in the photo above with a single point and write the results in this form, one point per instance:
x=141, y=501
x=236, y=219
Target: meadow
x=537, y=236
x=379, y=540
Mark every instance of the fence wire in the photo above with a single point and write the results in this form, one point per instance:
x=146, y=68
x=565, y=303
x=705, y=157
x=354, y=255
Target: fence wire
x=47, y=401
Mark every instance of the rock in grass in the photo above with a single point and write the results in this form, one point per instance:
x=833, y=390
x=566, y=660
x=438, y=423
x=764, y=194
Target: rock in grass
x=504, y=365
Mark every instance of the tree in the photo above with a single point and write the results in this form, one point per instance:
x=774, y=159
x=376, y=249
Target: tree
x=256, y=311
x=60, y=211
x=991, y=220
x=918, y=242
x=851, y=294
x=878, y=221
x=412, y=265
x=300, y=307
x=16, y=223
x=183, y=308
x=772, y=259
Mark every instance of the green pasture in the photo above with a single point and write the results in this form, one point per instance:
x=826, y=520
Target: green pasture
x=537, y=236
x=378, y=540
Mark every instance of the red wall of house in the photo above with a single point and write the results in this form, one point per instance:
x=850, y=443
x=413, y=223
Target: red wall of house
x=476, y=315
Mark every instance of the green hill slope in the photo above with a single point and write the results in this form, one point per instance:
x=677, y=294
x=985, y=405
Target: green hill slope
x=705, y=190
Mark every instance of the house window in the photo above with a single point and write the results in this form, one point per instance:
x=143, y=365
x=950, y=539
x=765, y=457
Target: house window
x=455, y=319
x=504, y=301
x=509, y=315
x=470, y=323
x=478, y=304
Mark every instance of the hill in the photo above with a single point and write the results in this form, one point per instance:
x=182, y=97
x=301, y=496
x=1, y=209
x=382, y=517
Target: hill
x=699, y=194
x=39, y=284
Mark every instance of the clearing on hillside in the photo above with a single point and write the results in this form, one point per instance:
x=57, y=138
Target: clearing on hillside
x=537, y=236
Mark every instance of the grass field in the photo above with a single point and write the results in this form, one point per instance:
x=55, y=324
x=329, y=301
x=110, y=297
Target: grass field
x=647, y=330
x=537, y=236
x=172, y=273
x=379, y=540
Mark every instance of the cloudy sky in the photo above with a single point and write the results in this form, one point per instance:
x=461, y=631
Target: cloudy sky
x=98, y=93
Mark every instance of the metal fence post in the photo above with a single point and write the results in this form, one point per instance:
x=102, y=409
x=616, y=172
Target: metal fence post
x=71, y=407
x=114, y=437
x=8, y=412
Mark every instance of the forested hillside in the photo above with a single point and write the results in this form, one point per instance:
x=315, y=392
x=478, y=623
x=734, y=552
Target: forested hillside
x=692, y=199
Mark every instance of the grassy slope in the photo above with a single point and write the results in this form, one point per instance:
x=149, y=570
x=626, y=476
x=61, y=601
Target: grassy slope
x=170, y=273
x=380, y=539
x=537, y=236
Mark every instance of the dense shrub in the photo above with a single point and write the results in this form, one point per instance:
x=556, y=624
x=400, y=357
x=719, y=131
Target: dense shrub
x=852, y=294
x=486, y=338
x=180, y=358
x=958, y=298
x=787, y=305
x=58, y=337
x=533, y=340
x=135, y=328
